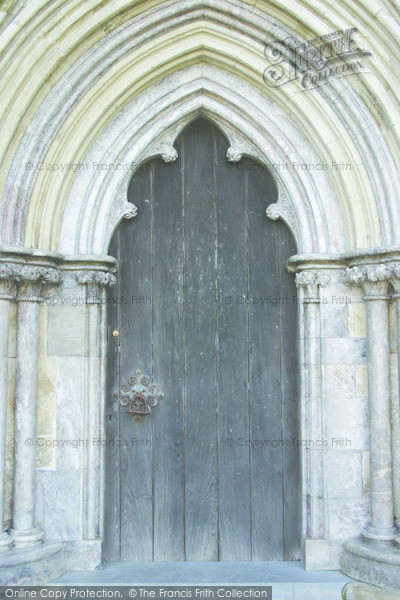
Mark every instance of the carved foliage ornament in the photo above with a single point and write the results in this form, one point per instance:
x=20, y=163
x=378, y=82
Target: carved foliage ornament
x=6, y=271
x=234, y=154
x=168, y=153
x=6, y=281
x=281, y=210
x=374, y=278
x=164, y=149
x=139, y=395
x=274, y=211
x=129, y=211
x=311, y=281
x=25, y=275
x=102, y=278
x=30, y=274
x=373, y=273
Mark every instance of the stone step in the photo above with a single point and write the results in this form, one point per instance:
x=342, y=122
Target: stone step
x=289, y=580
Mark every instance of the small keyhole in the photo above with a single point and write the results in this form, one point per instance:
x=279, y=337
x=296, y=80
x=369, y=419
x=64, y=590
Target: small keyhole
x=115, y=333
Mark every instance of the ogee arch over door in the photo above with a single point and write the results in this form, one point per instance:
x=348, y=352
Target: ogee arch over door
x=204, y=307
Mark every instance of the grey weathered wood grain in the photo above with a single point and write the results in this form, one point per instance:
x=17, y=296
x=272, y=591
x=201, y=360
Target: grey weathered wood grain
x=264, y=367
x=136, y=353
x=290, y=404
x=111, y=546
x=168, y=451
x=201, y=505
x=232, y=363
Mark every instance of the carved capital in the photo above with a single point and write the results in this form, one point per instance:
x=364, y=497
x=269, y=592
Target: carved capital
x=95, y=281
x=32, y=280
x=354, y=275
x=84, y=277
x=105, y=278
x=374, y=279
x=311, y=282
x=7, y=281
x=101, y=278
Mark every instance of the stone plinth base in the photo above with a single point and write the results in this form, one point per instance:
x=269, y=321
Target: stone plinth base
x=34, y=565
x=361, y=591
x=321, y=555
x=377, y=563
x=84, y=555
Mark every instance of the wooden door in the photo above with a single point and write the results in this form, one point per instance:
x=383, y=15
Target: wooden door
x=206, y=309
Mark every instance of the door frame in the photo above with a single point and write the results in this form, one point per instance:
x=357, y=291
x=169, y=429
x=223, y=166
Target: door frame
x=306, y=202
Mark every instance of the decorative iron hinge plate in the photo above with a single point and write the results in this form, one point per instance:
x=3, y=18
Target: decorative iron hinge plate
x=139, y=395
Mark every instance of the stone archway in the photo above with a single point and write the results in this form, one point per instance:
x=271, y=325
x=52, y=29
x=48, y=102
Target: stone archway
x=94, y=215
x=86, y=107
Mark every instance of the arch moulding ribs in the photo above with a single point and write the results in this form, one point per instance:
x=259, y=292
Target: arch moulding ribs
x=246, y=136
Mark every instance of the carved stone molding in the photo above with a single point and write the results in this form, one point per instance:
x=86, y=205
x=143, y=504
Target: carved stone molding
x=234, y=154
x=281, y=210
x=129, y=211
x=239, y=145
x=168, y=153
x=311, y=281
x=164, y=148
x=274, y=211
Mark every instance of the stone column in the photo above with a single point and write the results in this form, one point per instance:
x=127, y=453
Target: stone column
x=95, y=282
x=6, y=295
x=395, y=281
x=309, y=284
x=31, y=280
x=375, y=283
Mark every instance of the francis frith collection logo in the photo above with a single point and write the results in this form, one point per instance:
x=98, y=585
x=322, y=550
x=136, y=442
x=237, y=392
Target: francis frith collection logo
x=315, y=62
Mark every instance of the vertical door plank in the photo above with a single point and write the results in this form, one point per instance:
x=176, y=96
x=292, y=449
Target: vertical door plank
x=168, y=416
x=136, y=344
x=290, y=403
x=264, y=365
x=200, y=355
x=232, y=362
x=111, y=545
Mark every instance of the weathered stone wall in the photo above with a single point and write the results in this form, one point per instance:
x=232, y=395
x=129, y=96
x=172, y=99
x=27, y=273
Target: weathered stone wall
x=345, y=409
x=61, y=417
